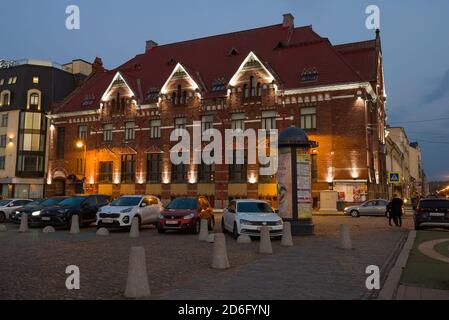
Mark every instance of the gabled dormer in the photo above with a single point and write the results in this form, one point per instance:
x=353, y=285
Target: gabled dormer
x=119, y=98
x=180, y=87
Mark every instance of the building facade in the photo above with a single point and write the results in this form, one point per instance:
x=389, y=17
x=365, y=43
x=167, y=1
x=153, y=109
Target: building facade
x=112, y=135
x=28, y=88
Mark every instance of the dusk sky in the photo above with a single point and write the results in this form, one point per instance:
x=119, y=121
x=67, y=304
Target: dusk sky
x=414, y=35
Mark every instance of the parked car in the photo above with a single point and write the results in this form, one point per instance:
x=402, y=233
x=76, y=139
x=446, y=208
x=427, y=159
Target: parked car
x=432, y=213
x=369, y=208
x=249, y=216
x=186, y=214
x=85, y=206
x=9, y=206
x=121, y=212
x=33, y=208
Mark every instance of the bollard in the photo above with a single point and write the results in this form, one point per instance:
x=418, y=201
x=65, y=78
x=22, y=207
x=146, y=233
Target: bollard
x=287, y=240
x=204, y=230
x=103, y=232
x=211, y=238
x=49, y=229
x=134, y=232
x=75, y=225
x=345, y=237
x=265, y=241
x=3, y=228
x=244, y=239
x=23, y=223
x=220, y=255
x=137, y=285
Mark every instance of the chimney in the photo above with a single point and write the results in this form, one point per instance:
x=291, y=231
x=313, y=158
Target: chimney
x=97, y=67
x=289, y=21
x=150, y=44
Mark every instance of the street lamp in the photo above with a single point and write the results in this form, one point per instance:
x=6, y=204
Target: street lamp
x=80, y=144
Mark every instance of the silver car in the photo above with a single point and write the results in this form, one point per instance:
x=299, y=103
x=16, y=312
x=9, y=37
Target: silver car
x=369, y=208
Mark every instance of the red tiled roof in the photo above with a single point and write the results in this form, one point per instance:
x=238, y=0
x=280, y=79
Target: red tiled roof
x=362, y=56
x=207, y=59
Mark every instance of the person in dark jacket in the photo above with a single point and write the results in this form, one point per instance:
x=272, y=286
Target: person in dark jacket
x=395, y=210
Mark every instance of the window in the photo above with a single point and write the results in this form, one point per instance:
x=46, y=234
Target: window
x=238, y=172
x=308, y=118
x=251, y=87
x=80, y=166
x=34, y=99
x=238, y=121
x=107, y=132
x=2, y=163
x=153, y=94
x=205, y=173
x=36, y=80
x=309, y=75
x=128, y=170
x=155, y=129
x=130, y=131
x=5, y=100
x=179, y=173
x=207, y=122
x=154, y=168
x=30, y=164
x=269, y=120
x=12, y=80
x=180, y=123
x=4, y=120
x=32, y=137
x=314, y=168
x=2, y=81
x=82, y=132
x=3, y=141
x=105, y=172
x=60, y=143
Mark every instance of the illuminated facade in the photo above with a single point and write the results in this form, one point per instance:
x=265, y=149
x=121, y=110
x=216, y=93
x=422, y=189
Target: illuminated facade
x=265, y=78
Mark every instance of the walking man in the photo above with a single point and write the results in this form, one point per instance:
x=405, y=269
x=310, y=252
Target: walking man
x=395, y=210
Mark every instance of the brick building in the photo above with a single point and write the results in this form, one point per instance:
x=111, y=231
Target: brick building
x=265, y=78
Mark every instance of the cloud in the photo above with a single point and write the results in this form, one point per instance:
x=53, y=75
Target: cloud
x=440, y=90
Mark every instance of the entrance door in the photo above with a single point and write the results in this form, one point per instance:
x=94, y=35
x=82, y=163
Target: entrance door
x=59, y=187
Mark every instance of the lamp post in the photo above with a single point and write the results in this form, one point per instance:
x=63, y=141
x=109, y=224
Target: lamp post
x=80, y=144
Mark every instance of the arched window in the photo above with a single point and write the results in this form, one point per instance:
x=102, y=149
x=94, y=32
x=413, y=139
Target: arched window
x=5, y=99
x=174, y=98
x=245, y=90
x=259, y=89
x=251, y=86
x=34, y=99
x=184, y=97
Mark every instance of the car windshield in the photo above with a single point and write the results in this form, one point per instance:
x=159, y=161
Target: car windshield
x=74, y=201
x=126, y=202
x=34, y=203
x=4, y=203
x=52, y=202
x=183, y=204
x=254, y=207
x=434, y=204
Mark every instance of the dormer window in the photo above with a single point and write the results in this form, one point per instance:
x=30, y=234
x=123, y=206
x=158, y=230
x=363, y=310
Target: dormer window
x=5, y=98
x=34, y=99
x=172, y=61
x=233, y=52
x=309, y=75
x=153, y=94
x=88, y=100
x=219, y=85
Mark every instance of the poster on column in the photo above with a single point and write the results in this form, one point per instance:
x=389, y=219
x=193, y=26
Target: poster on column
x=304, y=184
x=284, y=187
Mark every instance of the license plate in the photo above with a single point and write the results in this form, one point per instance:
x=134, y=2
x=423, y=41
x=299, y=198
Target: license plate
x=437, y=214
x=46, y=218
x=108, y=220
x=260, y=228
x=171, y=222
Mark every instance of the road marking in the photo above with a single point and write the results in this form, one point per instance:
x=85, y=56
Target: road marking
x=428, y=249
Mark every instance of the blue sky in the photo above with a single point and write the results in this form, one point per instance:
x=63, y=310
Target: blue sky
x=414, y=34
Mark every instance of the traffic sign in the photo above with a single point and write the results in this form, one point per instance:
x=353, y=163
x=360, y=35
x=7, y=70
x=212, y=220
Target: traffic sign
x=394, y=177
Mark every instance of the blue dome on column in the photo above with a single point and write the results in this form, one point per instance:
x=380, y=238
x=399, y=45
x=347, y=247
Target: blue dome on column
x=295, y=136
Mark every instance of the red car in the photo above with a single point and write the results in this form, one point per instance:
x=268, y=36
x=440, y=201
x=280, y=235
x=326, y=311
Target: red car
x=186, y=214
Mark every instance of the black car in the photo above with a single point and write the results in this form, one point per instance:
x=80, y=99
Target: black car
x=34, y=208
x=85, y=206
x=432, y=213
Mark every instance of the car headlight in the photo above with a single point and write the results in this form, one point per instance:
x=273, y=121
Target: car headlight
x=161, y=216
x=189, y=217
x=246, y=222
x=127, y=210
x=36, y=213
x=63, y=211
x=125, y=219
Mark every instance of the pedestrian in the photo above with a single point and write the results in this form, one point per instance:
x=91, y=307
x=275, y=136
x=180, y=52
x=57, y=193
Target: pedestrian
x=395, y=211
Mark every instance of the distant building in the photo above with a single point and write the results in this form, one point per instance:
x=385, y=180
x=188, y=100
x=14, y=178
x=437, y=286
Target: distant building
x=28, y=88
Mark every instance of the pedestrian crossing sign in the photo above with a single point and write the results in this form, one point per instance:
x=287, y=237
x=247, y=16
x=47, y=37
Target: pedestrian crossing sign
x=394, y=177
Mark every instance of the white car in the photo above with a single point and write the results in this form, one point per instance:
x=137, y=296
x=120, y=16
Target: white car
x=11, y=205
x=249, y=216
x=121, y=212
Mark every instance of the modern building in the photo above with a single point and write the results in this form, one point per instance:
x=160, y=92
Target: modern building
x=28, y=88
x=112, y=135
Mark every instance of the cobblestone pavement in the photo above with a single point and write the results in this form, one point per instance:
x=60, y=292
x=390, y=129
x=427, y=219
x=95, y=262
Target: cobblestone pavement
x=32, y=265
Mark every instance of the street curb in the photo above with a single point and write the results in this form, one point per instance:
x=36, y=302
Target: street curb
x=392, y=282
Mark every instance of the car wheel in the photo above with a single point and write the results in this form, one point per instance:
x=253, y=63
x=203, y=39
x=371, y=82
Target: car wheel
x=355, y=214
x=140, y=222
x=417, y=227
x=223, y=228
x=235, y=232
x=160, y=229
x=2, y=217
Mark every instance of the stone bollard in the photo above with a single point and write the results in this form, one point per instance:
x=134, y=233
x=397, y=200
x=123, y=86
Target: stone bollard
x=211, y=238
x=244, y=239
x=23, y=223
x=3, y=228
x=75, y=225
x=134, y=232
x=265, y=241
x=287, y=240
x=137, y=285
x=345, y=237
x=220, y=255
x=204, y=230
x=103, y=232
x=49, y=229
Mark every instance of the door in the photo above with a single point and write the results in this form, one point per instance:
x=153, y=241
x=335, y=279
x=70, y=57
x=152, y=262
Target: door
x=381, y=207
x=145, y=210
x=367, y=208
x=89, y=209
x=229, y=216
x=154, y=208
